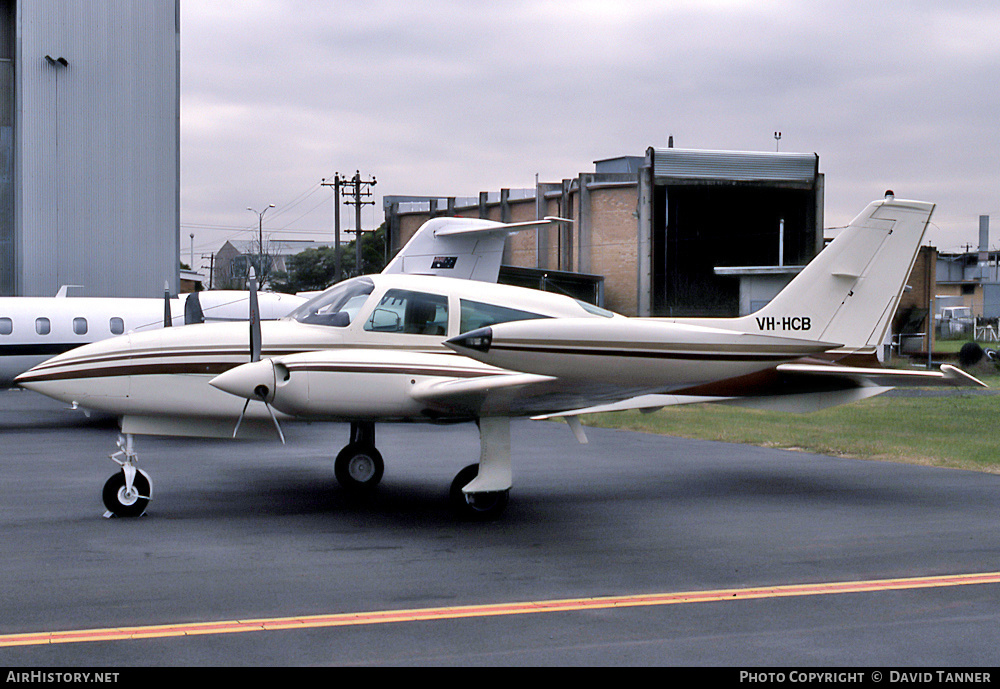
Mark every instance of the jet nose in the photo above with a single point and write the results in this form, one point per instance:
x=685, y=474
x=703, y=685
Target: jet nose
x=249, y=381
x=475, y=340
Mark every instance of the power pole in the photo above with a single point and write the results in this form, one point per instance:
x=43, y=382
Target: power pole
x=336, y=223
x=211, y=268
x=358, y=193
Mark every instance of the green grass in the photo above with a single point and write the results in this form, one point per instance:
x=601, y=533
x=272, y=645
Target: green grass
x=957, y=431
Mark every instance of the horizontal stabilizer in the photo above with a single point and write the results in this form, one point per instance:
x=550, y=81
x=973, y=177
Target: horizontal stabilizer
x=889, y=377
x=481, y=227
x=467, y=248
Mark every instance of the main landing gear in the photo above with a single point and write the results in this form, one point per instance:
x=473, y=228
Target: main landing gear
x=359, y=465
x=480, y=492
x=127, y=493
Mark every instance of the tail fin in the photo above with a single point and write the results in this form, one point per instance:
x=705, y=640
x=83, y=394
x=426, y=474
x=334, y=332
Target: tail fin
x=467, y=248
x=848, y=294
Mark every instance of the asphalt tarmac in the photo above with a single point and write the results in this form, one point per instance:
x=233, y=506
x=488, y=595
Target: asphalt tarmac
x=259, y=536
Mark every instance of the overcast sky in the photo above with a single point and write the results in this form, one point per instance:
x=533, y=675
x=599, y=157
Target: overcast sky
x=454, y=97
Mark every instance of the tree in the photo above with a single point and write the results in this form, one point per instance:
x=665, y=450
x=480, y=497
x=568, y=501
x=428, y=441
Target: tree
x=314, y=269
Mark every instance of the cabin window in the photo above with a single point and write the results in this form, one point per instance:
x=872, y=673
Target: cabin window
x=80, y=326
x=336, y=306
x=476, y=315
x=6, y=326
x=42, y=326
x=117, y=326
x=416, y=313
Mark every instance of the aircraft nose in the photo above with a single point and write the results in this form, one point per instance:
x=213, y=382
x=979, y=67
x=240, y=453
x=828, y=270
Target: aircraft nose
x=249, y=381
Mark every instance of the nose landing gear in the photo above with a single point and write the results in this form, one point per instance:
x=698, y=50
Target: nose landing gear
x=127, y=493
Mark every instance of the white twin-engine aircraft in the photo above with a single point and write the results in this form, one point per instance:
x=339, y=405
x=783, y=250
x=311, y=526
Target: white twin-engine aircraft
x=33, y=329
x=385, y=348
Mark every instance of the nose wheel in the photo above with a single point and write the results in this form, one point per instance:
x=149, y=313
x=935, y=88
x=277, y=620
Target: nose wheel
x=127, y=493
x=123, y=500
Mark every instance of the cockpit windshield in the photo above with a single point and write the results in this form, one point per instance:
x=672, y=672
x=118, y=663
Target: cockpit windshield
x=336, y=306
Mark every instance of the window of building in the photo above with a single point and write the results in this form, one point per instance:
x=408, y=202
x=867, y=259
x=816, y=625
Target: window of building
x=80, y=326
x=42, y=326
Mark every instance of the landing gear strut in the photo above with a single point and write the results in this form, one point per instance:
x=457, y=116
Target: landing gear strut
x=480, y=492
x=127, y=493
x=359, y=465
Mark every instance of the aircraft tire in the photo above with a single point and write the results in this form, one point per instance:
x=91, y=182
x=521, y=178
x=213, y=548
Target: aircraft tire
x=121, y=504
x=359, y=467
x=480, y=507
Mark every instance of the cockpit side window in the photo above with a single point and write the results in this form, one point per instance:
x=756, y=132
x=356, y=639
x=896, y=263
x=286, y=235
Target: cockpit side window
x=415, y=313
x=336, y=306
x=477, y=315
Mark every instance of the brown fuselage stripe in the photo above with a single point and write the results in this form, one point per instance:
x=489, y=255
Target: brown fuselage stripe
x=176, y=363
x=491, y=610
x=647, y=354
x=216, y=368
x=407, y=370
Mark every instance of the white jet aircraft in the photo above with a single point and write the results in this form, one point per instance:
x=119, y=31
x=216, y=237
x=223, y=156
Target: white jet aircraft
x=157, y=382
x=33, y=329
x=792, y=354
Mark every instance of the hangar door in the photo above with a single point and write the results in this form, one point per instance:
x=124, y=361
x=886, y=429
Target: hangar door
x=717, y=214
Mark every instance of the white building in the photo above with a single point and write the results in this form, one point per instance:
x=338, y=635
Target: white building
x=89, y=146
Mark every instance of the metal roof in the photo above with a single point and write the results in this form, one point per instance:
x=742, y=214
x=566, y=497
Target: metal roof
x=741, y=166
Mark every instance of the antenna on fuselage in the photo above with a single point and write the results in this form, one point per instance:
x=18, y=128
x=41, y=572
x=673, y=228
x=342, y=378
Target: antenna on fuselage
x=168, y=319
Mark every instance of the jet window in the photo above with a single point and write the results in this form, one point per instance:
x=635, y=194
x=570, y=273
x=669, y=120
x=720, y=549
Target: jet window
x=42, y=326
x=336, y=306
x=80, y=326
x=6, y=326
x=476, y=315
x=117, y=326
x=416, y=313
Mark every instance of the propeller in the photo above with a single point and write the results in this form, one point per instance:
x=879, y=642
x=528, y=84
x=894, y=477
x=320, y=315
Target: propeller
x=260, y=391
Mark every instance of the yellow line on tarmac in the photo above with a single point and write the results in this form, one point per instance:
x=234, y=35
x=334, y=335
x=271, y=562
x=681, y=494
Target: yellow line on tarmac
x=456, y=612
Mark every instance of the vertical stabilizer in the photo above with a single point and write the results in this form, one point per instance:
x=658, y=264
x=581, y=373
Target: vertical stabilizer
x=848, y=294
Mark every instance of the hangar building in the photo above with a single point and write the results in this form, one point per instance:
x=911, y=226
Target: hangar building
x=89, y=147
x=676, y=232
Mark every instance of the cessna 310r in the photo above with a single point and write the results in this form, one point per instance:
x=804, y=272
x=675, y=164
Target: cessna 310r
x=157, y=382
x=379, y=348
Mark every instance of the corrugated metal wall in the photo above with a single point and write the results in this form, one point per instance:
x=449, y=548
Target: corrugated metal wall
x=97, y=146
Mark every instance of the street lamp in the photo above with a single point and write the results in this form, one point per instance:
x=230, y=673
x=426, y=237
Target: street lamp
x=260, y=239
